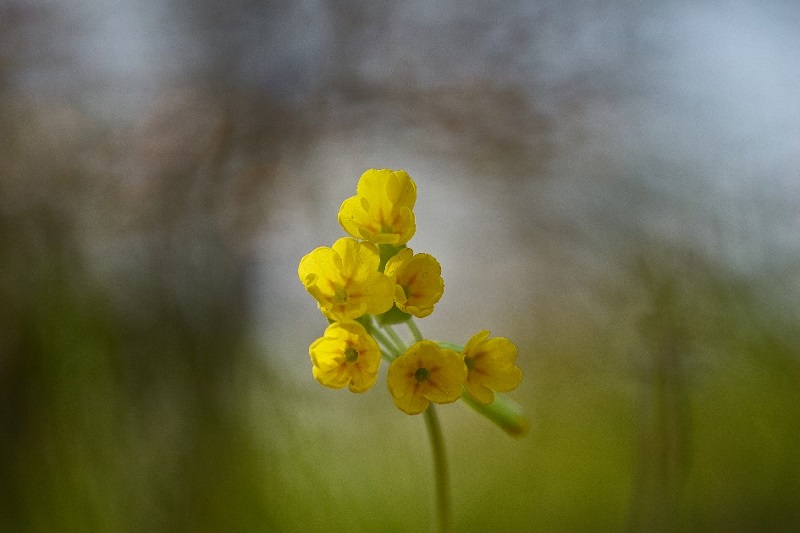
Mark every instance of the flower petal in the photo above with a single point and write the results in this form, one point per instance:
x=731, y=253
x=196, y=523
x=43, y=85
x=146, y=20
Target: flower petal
x=387, y=188
x=447, y=377
x=491, y=366
x=420, y=279
x=479, y=391
x=441, y=382
x=382, y=209
x=345, y=280
x=323, y=263
x=345, y=355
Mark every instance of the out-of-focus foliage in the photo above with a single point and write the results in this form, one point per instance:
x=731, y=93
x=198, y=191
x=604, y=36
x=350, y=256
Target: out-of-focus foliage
x=629, y=173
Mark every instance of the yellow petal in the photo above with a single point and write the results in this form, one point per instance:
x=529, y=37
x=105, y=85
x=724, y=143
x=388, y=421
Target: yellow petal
x=477, y=390
x=331, y=366
x=358, y=260
x=476, y=339
x=345, y=280
x=382, y=210
x=420, y=278
x=397, y=261
x=334, y=377
x=323, y=263
x=413, y=405
x=387, y=187
x=444, y=370
x=378, y=293
x=504, y=379
x=491, y=366
x=351, y=217
x=448, y=374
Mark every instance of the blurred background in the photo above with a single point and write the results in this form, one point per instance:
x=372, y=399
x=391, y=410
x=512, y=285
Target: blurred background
x=613, y=185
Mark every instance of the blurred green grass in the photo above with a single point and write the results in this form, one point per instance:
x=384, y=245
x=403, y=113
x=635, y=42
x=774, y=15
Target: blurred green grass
x=135, y=394
x=678, y=414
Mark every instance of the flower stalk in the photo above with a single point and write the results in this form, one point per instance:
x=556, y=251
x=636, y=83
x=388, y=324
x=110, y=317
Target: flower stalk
x=368, y=282
x=440, y=470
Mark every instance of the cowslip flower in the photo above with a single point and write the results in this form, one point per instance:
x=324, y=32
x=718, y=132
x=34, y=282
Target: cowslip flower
x=345, y=355
x=426, y=373
x=345, y=280
x=418, y=282
x=381, y=211
x=490, y=365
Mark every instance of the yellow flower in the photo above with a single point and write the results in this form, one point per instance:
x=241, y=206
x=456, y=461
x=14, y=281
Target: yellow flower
x=345, y=280
x=346, y=355
x=491, y=366
x=418, y=282
x=381, y=211
x=426, y=373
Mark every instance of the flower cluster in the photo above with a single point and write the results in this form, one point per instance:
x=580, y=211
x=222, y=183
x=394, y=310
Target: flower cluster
x=365, y=283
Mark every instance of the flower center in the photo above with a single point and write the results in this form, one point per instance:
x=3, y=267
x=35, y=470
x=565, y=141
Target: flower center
x=422, y=375
x=340, y=296
x=350, y=354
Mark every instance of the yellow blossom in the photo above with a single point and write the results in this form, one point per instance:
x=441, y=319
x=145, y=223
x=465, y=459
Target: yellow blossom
x=346, y=355
x=418, y=282
x=345, y=280
x=381, y=211
x=425, y=373
x=491, y=366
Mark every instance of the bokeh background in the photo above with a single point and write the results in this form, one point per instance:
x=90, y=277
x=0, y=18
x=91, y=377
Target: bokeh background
x=613, y=185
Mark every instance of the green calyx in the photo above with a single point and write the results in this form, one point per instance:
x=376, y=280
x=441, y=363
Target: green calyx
x=503, y=411
x=393, y=316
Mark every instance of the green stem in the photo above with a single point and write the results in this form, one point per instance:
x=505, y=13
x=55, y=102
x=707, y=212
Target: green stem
x=414, y=330
x=390, y=350
x=441, y=476
x=440, y=470
x=398, y=342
